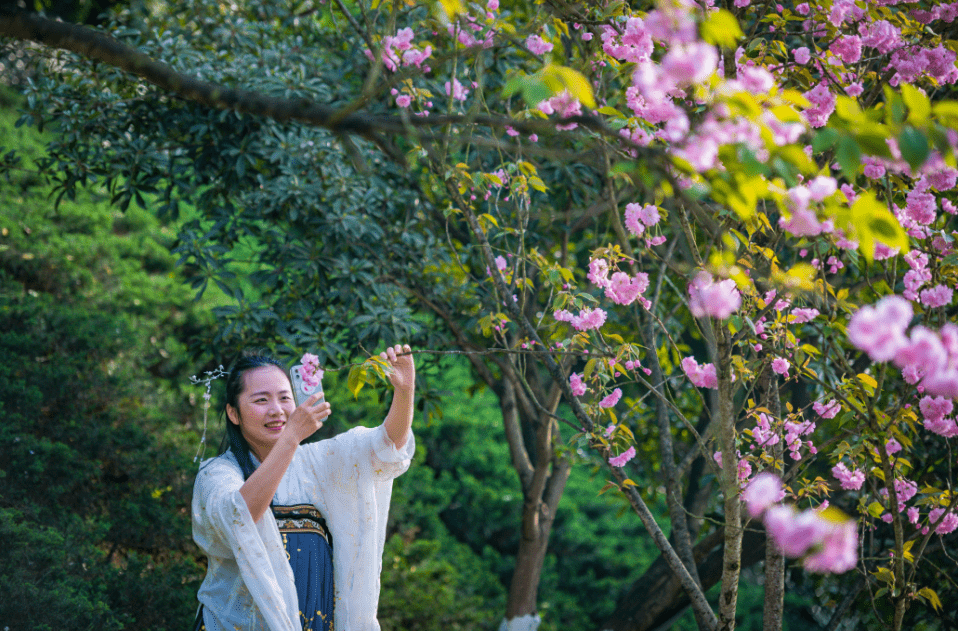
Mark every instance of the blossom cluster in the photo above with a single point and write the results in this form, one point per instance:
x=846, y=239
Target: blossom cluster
x=619, y=287
x=716, y=299
x=398, y=50
x=310, y=372
x=825, y=539
x=926, y=357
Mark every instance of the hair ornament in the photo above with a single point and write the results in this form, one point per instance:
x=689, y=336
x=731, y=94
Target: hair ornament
x=211, y=376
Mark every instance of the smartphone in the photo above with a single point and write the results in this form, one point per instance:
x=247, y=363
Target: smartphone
x=301, y=392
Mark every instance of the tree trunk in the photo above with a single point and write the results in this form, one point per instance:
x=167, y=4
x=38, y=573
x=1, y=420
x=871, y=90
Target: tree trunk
x=658, y=597
x=774, y=605
x=732, y=562
x=543, y=480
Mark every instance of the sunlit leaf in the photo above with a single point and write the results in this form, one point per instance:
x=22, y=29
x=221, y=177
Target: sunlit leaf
x=722, y=29
x=918, y=104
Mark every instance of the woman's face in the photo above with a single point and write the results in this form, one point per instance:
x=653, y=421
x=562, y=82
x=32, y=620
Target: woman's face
x=264, y=406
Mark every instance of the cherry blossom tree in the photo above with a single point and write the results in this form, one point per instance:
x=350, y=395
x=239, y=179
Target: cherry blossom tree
x=709, y=246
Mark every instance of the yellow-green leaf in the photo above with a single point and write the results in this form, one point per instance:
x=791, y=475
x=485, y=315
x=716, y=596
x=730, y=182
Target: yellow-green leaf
x=452, y=8
x=356, y=380
x=847, y=108
x=932, y=597
x=872, y=221
x=573, y=81
x=589, y=368
x=608, y=110
x=885, y=575
x=527, y=168
x=947, y=113
x=722, y=29
x=918, y=103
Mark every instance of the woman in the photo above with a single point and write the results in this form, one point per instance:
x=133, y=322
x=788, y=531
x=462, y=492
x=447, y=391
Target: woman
x=294, y=533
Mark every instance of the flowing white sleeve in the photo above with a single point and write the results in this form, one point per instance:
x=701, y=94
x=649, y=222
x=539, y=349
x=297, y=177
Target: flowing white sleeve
x=354, y=473
x=225, y=530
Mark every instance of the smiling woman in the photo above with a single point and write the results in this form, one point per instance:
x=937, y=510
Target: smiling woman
x=268, y=510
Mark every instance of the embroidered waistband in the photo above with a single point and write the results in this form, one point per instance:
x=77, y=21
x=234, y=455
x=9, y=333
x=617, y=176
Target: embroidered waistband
x=301, y=518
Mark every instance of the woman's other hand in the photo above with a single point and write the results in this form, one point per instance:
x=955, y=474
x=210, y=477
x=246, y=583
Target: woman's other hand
x=403, y=374
x=403, y=377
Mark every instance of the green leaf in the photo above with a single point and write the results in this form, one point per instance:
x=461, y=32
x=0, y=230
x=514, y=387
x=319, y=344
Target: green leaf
x=512, y=86
x=824, y=140
x=535, y=91
x=849, y=157
x=914, y=147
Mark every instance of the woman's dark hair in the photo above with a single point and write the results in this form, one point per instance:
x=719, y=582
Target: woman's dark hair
x=235, y=383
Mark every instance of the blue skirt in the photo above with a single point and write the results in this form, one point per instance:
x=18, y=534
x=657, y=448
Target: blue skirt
x=309, y=548
x=310, y=553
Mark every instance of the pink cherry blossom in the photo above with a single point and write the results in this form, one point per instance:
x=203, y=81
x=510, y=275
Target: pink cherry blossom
x=823, y=101
x=599, y=272
x=802, y=55
x=589, y=319
x=851, y=480
x=827, y=410
x=764, y=490
x=456, y=90
x=632, y=220
x=577, y=384
x=945, y=427
x=838, y=549
x=794, y=532
x=763, y=434
x=780, y=366
x=937, y=296
x=703, y=376
x=563, y=105
x=821, y=187
x=803, y=223
x=708, y=298
x=935, y=408
x=624, y=289
x=803, y=315
x=688, y=64
x=538, y=46
x=879, y=330
x=848, y=48
x=881, y=35
x=947, y=525
x=623, y=458
x=612, y=399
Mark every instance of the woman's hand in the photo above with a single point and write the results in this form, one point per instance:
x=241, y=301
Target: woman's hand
x=403, y=377
x=403, y=374
x=308, y=418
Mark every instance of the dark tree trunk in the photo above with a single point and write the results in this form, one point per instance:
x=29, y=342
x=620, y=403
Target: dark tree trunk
x=657, y=597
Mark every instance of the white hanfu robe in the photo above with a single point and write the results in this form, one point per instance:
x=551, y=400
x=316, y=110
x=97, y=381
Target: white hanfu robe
x=249, y=583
